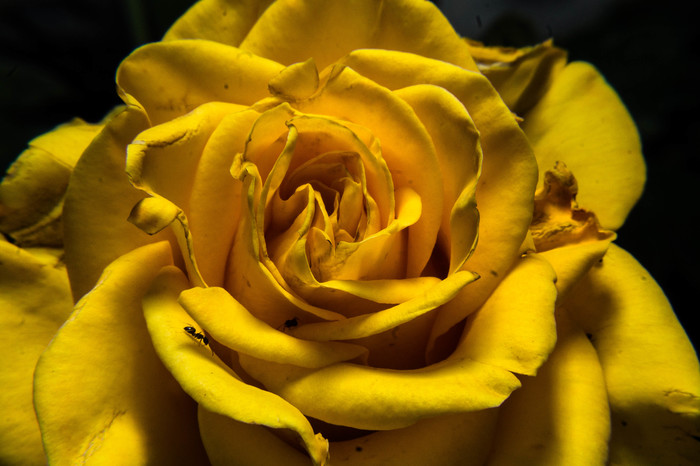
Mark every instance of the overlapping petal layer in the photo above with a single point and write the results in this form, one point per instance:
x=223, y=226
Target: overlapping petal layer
x=650, y=368
x=206, y=378
x=35, y=300
x=115, y=399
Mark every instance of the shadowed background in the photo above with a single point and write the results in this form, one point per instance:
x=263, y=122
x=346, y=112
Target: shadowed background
x=58, y=59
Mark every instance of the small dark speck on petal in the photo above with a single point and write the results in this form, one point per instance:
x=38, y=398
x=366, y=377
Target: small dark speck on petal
x=358, y=448
x=494, y=273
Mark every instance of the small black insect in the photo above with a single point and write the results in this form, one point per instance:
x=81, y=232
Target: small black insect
x=290, y=323
x=196, y=335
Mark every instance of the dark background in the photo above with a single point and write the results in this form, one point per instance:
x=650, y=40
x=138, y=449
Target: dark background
x=58, y=59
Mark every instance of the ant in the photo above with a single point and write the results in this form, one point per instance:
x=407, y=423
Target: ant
x=290, y=323
x=197, y=336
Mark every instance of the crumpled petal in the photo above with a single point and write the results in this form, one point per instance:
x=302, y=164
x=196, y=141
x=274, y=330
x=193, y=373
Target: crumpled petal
x=31, y=194
x=650, y=367
x=225, y=21
x=582, y=122
x=35, y=300
x=463, y=439
x=515, y=328
x=169, y=79
x=98, y=200
x=206, y=378
x=290, y=32
x=521, y=76
x=233, y=326
x=562, y=415
x=100, y=391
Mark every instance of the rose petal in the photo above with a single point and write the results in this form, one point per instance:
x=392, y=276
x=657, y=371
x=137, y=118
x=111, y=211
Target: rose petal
x=224, y=21
x=233, y=326
x=521, y=76
x=296, y=82
x=509, y=170
x=169, y=79
x=406, y=147
x=290, y=32
x=35, y=300
x=562, y=415
x=463, y=439
x=515, y=328
x=98, y=200
x=582, y=122
x=153, y=214
x=458, y=150
x=215, y=198
x=380, y=399
x=206, y=378
x=100, y=391
x=163, y=159
x=31, y=194
x=371, y=324
x=651, y=370
x=236, y=443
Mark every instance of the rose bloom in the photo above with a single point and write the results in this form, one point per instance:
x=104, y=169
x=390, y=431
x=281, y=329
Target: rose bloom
x=338, y=233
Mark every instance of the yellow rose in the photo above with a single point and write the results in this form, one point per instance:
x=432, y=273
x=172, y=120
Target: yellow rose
x=338, y=233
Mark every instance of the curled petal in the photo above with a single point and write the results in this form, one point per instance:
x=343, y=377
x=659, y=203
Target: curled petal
x=232, y=325
x=372, y=324
x=100, y=391
x=380, y=399
x=206, y=378
x=651, y=370
x=153, y=214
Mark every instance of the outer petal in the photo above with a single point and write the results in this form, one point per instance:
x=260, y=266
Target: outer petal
x=35, y=300
x=169, y=79
x=100, y=391
x=381, y=399
x=521, y=76
x=98, y=201
x=225, y=21
x=233, y=443
x=582, y=122
x=206, y=378
x=462, y=439
x=31, y=194
x=291, y=31
x=650, y=368
x=515, y=328
x=562, y=415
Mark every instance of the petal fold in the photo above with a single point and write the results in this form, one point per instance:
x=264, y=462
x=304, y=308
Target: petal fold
x=515, y=328
x=101, y=393
x=651, y=369
x=233, y=326
x=211, y=383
